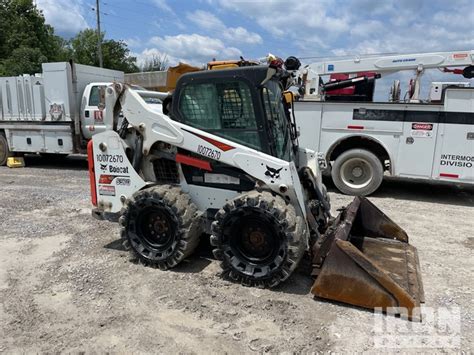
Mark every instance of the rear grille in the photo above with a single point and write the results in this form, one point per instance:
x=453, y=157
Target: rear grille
x=166, y=171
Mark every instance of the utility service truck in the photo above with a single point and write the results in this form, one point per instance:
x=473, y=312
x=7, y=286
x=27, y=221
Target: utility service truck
x=57, y=111
x=360, y=140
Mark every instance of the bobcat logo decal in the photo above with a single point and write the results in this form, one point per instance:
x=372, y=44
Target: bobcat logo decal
x=103, y=167
x=273, y=173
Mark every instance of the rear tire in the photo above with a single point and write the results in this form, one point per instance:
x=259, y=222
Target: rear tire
x=259, y=239
x=4, y=150
x=161, y=226
x=357, y=172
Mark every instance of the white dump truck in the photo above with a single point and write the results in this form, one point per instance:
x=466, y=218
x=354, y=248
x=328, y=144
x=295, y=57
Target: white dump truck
x=55, y=112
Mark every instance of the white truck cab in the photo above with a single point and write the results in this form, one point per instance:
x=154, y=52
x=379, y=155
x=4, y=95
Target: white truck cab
x=93, y=109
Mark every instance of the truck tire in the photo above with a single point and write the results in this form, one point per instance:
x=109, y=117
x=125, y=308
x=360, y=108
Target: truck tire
x=357, y=172
x=258, y=238
x=4, y=150
x=161, y=226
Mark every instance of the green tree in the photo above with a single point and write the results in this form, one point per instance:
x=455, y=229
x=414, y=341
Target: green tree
x=115, y=54
x=25, y=39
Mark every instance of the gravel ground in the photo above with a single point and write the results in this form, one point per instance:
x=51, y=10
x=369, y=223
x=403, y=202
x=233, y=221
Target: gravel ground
x=67, y=285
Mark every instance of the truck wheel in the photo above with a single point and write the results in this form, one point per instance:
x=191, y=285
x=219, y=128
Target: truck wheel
x=4, y=150
x=161, y=226
x=357, y=172
x=258, y=238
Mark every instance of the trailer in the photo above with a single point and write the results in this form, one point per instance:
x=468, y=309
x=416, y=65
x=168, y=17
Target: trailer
x=359, y=140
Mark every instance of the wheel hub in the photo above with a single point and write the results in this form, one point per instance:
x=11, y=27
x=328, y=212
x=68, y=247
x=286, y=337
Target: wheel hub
x=255, y=243
x=257, y=238
x=254, y=239
x=357, y=172
x=156, y=229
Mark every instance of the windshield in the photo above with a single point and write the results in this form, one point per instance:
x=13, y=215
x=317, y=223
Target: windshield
x=276, y=117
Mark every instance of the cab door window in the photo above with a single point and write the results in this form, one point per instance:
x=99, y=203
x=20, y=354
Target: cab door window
x=222, y=108
x=277, y=120
x=96, y=96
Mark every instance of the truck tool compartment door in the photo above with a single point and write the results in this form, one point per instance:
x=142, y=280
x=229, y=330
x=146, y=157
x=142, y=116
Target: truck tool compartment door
x=93, y=113
x=418, y=141
x=454, y=160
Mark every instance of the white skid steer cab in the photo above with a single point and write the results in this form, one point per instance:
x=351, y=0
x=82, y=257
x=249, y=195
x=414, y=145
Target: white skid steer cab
x=223, y=160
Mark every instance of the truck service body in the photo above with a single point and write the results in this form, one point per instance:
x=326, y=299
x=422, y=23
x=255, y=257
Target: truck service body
x=56, y=111
x=433, y=141
x=412, y=138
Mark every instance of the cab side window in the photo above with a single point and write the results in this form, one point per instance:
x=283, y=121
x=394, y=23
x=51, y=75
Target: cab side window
x=95, y=95
x=224, y=109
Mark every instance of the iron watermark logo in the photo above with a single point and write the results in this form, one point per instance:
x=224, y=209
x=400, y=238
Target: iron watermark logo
x=440, y=329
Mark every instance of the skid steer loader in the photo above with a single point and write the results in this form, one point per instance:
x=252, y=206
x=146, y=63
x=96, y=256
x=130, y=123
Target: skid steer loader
x=223, y=159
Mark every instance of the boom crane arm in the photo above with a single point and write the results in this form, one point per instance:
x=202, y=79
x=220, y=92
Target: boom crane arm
x=384, y=64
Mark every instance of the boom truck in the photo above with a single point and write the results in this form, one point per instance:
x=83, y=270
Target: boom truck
x=223, y=160
x=57, y=111
x=360, y=140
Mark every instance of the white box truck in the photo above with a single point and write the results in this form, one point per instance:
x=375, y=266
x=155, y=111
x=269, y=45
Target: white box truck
x=54, y=112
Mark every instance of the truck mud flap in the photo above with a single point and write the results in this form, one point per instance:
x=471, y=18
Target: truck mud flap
x=365, y=260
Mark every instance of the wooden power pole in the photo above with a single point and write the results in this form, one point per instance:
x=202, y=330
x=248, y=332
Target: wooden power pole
x=99, y=37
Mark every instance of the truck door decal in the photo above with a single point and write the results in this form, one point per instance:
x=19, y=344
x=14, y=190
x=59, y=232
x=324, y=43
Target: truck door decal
x=99, y=115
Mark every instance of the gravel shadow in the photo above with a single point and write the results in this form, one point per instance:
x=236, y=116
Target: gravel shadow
x=71, y=162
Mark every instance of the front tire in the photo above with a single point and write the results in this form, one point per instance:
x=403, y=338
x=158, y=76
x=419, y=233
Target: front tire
x=259, y=239
x=4, y=150
x=357, y=172
x=161, y=226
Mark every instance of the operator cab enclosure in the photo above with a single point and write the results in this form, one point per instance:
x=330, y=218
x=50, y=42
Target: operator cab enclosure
x=239, y=104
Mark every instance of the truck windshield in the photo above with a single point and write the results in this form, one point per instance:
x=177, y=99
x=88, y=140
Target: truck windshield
x=276, y=117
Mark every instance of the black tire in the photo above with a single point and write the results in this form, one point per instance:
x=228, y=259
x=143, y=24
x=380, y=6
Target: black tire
x=259, y=239
x=4, y=150
x=357, y=172
x=162, y=209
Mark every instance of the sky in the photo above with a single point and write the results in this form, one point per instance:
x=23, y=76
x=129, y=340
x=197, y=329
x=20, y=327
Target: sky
x=198, y=31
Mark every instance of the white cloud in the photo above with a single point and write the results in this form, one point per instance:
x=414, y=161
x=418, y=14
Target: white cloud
x=361, y=26
x=209, y=21
x=192, y=48
x=162, y=5
x=205, y=20
x=66, y=17
x=295, y=19
x=370, y=28
x=241, y=35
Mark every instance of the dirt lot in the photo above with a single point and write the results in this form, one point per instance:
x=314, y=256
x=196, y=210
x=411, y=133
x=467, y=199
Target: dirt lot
x=66, y=284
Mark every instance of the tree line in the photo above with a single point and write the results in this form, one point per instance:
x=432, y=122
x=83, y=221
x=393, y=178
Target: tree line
x=26, y=41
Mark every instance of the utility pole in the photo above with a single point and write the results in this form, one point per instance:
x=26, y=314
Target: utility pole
x=99, y=37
